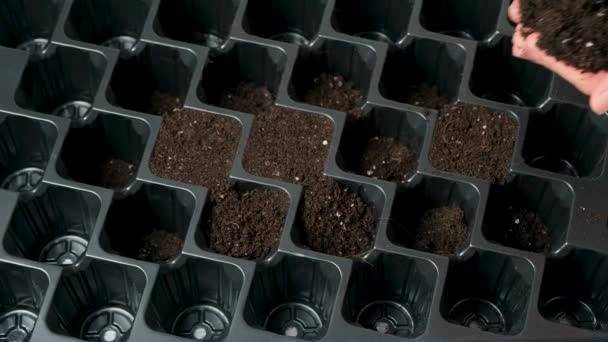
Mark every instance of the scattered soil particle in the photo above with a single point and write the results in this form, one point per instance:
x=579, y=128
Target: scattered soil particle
x=248, y=224
x=335, y=220
x=425, y=95
x=248, y=98
x=441, y=231
x=117, y=174
x=334, y=92
x=591, y=216
x=474, y=141
x=572, y=31
x=387, y=159
x=522, y=229
x=160, y=246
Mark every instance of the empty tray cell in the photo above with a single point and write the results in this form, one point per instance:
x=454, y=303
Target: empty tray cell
x=346, y=67
x=53, y=227
x=63, y=82
x=382, y=20
x=21, y=295
x=200, y=22
x=113, y=23
x=500, y=77
x=434, y=215
x=425, y=73
x=196, y=301
x=118, y=143
x=470, y=19
x=242, y=62
x=98, y=302
x=25, y=148
x=558, y=141
x=384, y=144
x=391, y=294
x=28, y=24
x=150, y=224
x=529, y=213
x=293, y=297
x=574, y=290
x=489, y=292
x=154, y=69
x=295, y=21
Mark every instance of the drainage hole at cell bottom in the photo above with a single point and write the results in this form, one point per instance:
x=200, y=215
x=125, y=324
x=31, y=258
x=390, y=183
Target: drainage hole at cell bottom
x=110, y=324
x=479, y=314
x=23, y=180
x=63, y=250
x=201, y=322
x=570, y=311
x=387, y=317
x=295, y=320
x=16, y=325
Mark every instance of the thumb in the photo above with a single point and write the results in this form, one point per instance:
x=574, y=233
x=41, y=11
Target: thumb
x=599, y=96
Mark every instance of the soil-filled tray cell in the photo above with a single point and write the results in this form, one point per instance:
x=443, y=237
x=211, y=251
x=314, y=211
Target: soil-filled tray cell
x=500, y=77
x=153, y=68
x=382, y=20
x=391, y=294
x=28, y=24
x=196, y=300
x=434, y=215
x=199, y=22
x=21, y=295
x=295, y=21
x=63, y=82
x=469, y=19
x=242, y=62
x=529, y=213
x=333, y=74
x=113, y=23
x=25, y=149
x=118, y=143
x=149, y=224
x=293, y=297
x=488, y=292
x=98, y=302
x=425, y=73
x=54, y=226
x=383, y=144
x=574, y=290
x=558, y=141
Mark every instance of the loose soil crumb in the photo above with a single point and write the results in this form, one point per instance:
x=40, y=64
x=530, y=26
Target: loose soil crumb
x=248, y=224
x=441, y=231
x=572, y=31
x=591, y=216
x=160, y=246
x=473, y=141
x=387, y=159
x=334, y=92
x=425, y=95
x=522, y=229
x=117, y=174
x=336, y=221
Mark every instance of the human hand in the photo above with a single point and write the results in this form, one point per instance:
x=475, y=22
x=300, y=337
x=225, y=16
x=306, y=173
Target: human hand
x=594, y=85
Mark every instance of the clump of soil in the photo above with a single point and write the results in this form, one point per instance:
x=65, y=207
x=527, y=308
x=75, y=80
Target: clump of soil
x=247, y=97
x=248, y=224
x=441, y=231
x=117, y=174
x=425, y=95
x=473, y=141
x=334, y=92
x=572, y=31
x=522, y=229
x=388, y=159
x=335, y=220
x=160, y=246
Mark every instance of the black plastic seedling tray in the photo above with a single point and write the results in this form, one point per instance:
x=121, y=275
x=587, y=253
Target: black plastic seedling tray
x=66, y=64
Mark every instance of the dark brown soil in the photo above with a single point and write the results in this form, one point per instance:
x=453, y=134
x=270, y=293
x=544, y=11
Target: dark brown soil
x=441, y=231
x=334, y=92
x=473, y=141
x=425, y=95
x=573, y=31
x=160, y=246
x=387, y=159
x=117, y=174
x=335, y=220
x=522, y=229
x=248, y=98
